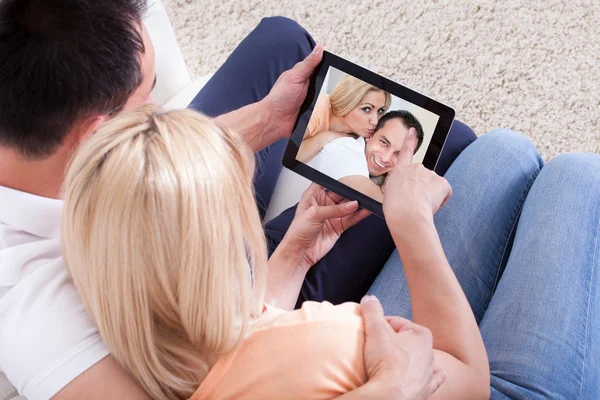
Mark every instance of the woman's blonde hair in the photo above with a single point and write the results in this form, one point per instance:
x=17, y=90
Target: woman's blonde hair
x=162, y=237
x=349, y=92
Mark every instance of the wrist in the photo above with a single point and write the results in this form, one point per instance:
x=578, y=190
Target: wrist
x=270, y=127
x=414, y=220
x=293, y=253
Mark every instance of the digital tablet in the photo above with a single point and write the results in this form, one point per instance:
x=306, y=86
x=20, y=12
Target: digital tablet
x=351, y=127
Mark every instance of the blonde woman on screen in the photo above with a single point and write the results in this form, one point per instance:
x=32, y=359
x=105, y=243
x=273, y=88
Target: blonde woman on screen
x=351, y=110
x=163, y=241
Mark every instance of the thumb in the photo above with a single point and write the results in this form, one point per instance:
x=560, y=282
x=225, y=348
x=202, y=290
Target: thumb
x=372, y=313
x=405, y=158
x=324, y=213
x=306, y=67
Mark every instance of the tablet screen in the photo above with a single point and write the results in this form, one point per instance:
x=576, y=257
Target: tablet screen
x=355, y=123
x=348, y=111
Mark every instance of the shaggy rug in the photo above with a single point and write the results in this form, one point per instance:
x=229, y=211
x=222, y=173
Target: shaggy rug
x=531, y=66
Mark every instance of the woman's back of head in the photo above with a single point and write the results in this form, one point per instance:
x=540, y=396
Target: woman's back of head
x=159, y=226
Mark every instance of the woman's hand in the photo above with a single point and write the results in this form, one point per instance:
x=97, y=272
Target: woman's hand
x=321, y=218
x=398, y=355
x=412, y=192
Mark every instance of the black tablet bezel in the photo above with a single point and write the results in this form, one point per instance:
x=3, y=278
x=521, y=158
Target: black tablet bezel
x=440, y=134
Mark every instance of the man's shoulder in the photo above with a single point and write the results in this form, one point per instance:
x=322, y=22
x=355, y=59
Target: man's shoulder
x=347, y=146
x=46, y=336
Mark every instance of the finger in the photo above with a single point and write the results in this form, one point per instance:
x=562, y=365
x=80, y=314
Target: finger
x=306, y=67
x=334, y=196
x=438, y=378
x=376, y=327
x=405, y=158
x=314, y=191
x=398, y=323
x=350, y=220
x=324, y=213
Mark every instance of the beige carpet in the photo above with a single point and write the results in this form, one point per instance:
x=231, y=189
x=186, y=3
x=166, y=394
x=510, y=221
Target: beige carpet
x=532, y=66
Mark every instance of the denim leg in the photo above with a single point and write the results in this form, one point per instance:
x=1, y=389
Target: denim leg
x=490, y=181
x=542, y=326
x=247, y=76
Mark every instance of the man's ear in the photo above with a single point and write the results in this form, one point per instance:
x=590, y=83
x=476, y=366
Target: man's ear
x=89, y=126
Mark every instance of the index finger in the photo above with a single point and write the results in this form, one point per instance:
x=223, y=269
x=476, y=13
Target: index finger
x=405, y=158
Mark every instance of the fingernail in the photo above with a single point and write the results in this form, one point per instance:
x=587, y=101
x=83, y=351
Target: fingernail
x=351, y=205
x=316, y=49
x=367, y=299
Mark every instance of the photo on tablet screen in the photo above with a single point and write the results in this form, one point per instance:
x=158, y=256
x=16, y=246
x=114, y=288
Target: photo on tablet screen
x=350, y=131
x=356, y=132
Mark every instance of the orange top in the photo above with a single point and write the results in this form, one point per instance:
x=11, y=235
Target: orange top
x=319, y=120
x=314, y=353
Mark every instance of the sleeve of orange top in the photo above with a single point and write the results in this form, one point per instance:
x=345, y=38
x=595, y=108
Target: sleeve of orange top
x=313, y=353
x=319, y=117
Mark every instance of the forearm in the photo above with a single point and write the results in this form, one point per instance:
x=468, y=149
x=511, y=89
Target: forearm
x=286, y=271
x=438, y=301
x=253, y=124
x=312, y=145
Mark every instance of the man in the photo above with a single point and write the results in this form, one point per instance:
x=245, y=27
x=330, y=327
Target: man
x=66, y=67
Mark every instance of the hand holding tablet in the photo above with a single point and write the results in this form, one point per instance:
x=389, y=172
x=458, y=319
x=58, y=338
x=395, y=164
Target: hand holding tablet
x=352, y=127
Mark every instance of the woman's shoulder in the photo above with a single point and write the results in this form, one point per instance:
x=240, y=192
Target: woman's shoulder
x=323, y=105
x=313, y=312
x=313, y=352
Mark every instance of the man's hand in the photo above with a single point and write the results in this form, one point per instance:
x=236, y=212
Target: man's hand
x=321, y=218
x=413, y=192
x=283, y=102
x=398, y=355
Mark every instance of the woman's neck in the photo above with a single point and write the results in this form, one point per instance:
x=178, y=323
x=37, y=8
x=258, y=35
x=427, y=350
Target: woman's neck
x=337, y=124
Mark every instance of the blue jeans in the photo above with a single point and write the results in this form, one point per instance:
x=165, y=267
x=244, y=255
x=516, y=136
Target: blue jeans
x=523, y=241
x=247, y=76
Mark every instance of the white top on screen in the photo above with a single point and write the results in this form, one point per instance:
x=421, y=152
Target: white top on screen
x=46, y=336
x=338, y=159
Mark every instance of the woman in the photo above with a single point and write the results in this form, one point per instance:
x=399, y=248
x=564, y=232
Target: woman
x=163, y=240
x=351, y=110
x=349, y=114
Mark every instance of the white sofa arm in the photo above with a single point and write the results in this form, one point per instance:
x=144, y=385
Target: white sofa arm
x=184, y=97
x=171, y=72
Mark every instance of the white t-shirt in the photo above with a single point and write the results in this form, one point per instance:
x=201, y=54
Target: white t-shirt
x=46, y=336
x=338, y=159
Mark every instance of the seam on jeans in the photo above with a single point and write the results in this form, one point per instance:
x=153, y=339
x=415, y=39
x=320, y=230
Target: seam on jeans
x=516, y=217
x=587, y=316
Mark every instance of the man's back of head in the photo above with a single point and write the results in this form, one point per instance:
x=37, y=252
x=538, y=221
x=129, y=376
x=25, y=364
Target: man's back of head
x=62, y=61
